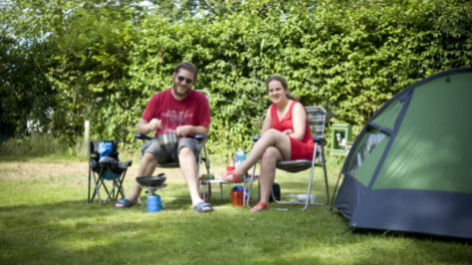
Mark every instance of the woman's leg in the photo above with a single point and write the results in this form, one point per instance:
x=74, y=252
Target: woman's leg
x=271, y=138
x=268, y=161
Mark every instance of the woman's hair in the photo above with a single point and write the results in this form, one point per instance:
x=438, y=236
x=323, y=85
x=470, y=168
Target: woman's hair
x=283, y=82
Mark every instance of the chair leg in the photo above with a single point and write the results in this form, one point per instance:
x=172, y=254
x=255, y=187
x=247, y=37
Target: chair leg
x=89, y=183
x=97, y=187
x=250, y=185
x=121, y=189
x=310, y=183
x=325, y=175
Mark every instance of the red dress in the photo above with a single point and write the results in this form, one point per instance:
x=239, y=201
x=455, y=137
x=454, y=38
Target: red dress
x=299, y=149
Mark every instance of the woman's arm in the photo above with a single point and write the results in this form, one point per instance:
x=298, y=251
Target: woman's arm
x=299, y=122
x=267, y=122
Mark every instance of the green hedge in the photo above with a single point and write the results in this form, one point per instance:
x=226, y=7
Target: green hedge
x=347, y=56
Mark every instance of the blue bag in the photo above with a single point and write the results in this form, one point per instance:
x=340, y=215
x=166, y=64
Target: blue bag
x=104, y=150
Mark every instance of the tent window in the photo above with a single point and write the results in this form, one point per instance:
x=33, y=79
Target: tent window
x=388, y=118
x=371, y=140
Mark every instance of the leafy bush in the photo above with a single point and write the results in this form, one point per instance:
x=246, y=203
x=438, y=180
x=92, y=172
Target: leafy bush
x=348, y=56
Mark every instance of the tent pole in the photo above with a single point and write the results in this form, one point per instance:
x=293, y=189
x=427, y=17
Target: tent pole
x=334, y=193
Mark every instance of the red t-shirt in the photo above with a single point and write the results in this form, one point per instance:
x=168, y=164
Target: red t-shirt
x=192, y=110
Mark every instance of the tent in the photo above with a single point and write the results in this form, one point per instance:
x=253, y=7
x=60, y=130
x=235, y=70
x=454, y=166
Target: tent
x=410, y=168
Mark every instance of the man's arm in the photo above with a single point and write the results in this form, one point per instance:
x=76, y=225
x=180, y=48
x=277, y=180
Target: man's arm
x=145, y=127
x=189, y=130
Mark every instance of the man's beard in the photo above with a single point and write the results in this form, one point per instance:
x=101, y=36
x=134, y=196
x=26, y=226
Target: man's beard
x=177, y=93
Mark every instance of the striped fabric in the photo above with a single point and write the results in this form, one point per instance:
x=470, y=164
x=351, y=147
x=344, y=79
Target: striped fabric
x=316, y=120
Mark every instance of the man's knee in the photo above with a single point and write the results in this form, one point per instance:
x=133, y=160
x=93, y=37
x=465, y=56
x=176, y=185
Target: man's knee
x=186, y=152
x=148, y=158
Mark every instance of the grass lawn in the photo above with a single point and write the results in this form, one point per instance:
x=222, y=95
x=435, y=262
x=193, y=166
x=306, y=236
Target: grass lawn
x=45, y=219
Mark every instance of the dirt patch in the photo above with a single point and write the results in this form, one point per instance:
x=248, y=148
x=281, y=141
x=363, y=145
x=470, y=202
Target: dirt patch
x=47, y=170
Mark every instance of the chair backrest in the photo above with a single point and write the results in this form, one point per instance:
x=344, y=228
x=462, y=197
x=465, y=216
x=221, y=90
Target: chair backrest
x=316, y=120
x=204, y=92
x=94, y=150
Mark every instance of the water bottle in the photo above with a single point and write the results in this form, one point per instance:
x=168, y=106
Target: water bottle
x=153, y=203
x=291, y=198
x=239, y=159
x=300, y=198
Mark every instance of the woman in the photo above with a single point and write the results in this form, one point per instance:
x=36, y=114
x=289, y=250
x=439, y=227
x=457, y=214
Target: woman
x=285, y=136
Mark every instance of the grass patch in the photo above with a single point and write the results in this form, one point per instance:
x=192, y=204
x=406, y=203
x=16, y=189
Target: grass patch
x=45, y=219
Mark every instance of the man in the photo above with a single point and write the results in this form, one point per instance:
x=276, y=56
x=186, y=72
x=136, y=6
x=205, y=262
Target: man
x=185, y=111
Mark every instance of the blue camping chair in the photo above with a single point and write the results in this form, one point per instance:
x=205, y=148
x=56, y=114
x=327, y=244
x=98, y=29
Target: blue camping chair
x=105, y=166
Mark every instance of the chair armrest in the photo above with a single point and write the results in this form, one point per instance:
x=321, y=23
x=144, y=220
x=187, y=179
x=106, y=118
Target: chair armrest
x=256, y=138
x=200, y=137
x=320, y=140
x=142, y=136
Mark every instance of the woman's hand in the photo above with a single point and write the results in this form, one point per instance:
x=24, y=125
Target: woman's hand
x=287, y=132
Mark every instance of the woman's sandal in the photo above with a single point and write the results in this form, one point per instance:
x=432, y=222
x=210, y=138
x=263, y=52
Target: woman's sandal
x=257, y=207
x=235, y=179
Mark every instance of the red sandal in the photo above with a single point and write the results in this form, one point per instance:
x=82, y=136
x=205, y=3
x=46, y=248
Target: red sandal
x=257, y=209
x=236, y=179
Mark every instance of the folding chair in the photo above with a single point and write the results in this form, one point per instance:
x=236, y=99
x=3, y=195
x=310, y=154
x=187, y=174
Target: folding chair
x=316, y=121
x=106, y=169
x=201, y=140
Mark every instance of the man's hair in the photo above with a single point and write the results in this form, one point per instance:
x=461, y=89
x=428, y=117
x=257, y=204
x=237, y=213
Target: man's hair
x=189, y=67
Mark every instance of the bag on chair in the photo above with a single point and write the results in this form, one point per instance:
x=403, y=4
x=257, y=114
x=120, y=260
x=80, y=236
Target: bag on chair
x=276, y=192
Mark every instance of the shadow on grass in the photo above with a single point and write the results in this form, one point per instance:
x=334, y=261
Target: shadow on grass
x=78, y=233
x=431, y=248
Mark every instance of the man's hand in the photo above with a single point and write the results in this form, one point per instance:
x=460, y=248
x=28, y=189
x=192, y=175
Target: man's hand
x=154, y=124
x=287, y=132
x=183, y=130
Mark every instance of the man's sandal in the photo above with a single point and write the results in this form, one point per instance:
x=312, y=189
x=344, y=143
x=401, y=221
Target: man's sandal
x=125, y=204
x=203, y=207
x=235, y=179
x=257, y=207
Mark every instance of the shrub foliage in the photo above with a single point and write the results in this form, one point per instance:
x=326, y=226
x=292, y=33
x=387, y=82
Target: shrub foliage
x=110, y=57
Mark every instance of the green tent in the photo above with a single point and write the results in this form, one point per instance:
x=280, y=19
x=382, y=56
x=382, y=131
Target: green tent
x=410, y=168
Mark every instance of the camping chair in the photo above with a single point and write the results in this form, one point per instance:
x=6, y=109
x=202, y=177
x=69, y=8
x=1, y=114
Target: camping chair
x=106, y=168
x=201, y=140
x=316, y=121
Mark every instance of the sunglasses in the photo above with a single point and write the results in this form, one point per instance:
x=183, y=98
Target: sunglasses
x=181, y=78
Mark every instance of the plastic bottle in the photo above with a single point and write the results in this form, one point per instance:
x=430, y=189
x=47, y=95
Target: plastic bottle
x=239, y=159
x=300, y=198
x=291, y=198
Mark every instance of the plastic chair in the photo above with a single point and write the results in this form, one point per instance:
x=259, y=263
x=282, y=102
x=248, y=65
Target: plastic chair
x=316, y=121
x=103, y=169
x=201, y=140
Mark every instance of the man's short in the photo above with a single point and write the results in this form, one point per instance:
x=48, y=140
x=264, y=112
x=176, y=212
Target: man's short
x=170, y=153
